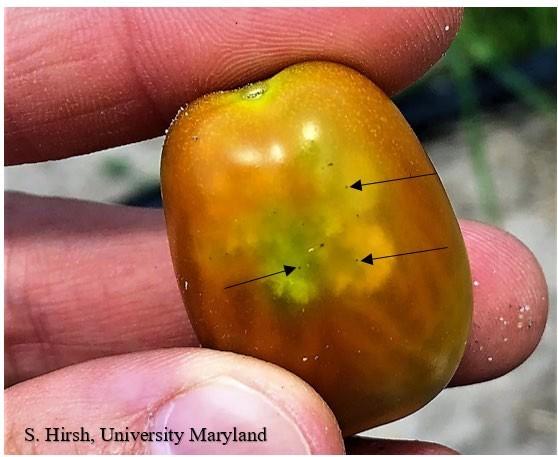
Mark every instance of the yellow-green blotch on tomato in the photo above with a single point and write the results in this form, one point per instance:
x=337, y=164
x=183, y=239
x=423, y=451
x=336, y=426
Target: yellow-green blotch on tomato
x=262, y=177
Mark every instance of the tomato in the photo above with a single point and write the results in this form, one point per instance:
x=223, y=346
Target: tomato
x=316, y=169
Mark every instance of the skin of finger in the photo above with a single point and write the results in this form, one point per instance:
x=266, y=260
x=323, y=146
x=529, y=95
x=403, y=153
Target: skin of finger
x=511, y=304
x=85, y=280
x=81, y=80
x=364, y=446
x=128, y=390
x=97, y=280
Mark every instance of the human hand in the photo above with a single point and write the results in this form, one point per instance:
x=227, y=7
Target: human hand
x=89, y=281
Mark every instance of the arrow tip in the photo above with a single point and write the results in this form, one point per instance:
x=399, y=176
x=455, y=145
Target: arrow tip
x=357, y=185
x=368, y=259
x=288, y=269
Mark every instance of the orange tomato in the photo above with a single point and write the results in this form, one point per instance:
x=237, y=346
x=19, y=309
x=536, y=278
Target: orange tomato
x=259, y=178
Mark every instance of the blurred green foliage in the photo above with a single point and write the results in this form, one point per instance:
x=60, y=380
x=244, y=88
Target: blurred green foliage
x=491, y=40
x=490, y=36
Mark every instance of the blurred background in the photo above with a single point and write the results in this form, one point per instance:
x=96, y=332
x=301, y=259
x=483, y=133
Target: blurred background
x=486, y=113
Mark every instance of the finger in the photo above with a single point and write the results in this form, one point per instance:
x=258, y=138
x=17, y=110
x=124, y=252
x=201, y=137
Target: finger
x=85, y=280
x=364, y=446
x=97, y=280
x=79, y=80
x=510, y=304
x=179, y=389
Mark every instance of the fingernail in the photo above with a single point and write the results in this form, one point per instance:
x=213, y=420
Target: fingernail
x=225, y=416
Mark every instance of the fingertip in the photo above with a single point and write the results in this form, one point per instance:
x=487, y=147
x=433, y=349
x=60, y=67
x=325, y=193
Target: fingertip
x=510, y=309
x=224, y=391
x=294, y=402
x=222, y=402
x=422, y=35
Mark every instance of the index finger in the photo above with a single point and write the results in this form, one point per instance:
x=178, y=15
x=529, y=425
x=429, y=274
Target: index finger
x=79, y=80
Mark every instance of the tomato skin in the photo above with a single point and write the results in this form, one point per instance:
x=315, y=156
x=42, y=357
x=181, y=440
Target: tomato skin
x=258, y=178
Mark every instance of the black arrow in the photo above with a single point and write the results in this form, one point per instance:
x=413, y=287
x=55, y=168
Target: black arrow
x=359, y=184
x=287, y=269
x=370, y=260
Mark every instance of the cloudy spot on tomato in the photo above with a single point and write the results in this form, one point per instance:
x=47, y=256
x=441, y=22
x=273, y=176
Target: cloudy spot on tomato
x=310, y=131
x=247, y=157
x=277, y=154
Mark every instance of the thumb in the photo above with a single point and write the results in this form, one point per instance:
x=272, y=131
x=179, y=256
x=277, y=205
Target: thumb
x=177, y=398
